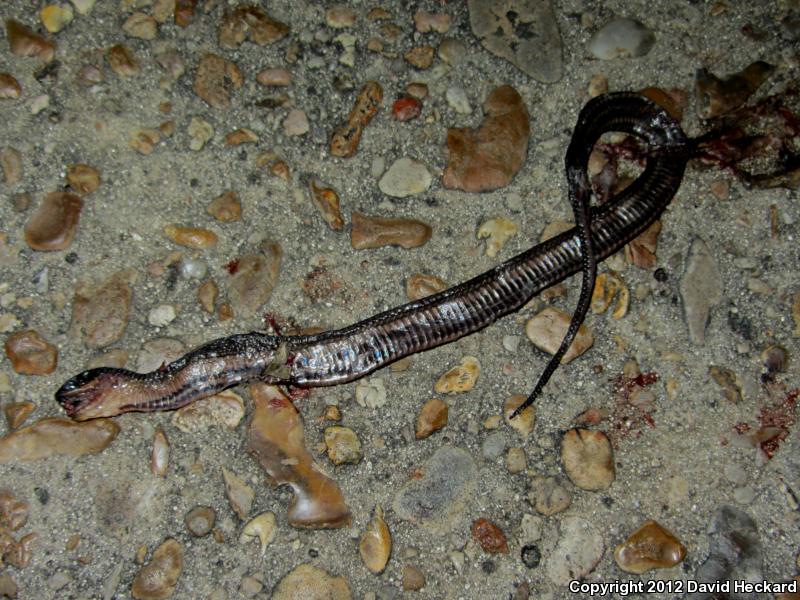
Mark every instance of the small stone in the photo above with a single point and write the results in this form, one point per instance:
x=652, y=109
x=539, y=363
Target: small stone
x=417, y=90
x=621, y=38
x=140, y=25
x=159, y=457
x=375, y=544
x=531, y=527
x=274, y=77
x=207, y=296
x=340, y=17
x=649, y=547
x=248, y=21
x=296, y=123
x=226, y=208
x=547, y=328
x=420, y=57
x=250, y=586
x=200, y=520
x=406, y=108
x=10, y=89
x=215, y=79
x=375, y=232
x=588, y=459
x=420, y=286
x=489, y=536
x=457, y=99
x=343, y=445
x=54, y=224
x=144, y=141
x=250, y=287
x=25, y=42
x=406, y=177
x=459, y=379
x=498, y=231
x=100, y=313
x=598, y=85
x=8, y=587
x=261, y=528
x=701, y=289
x=326, y=200
x=11, y=162
x=346, y=137
x=30, y=353
x=729, y=381
x=413, y=579
x=200, y=132
x=161, y=315
x=84, y=179
x=17, y=412
x=122, y=61
x=431, y=418
x=307, y=581
x=191, y=237
x=425, y=22
x=493, y=446
x=548, y=496
x=516, y=461
x=84, y=7
x=578, y=550
x=607, y=287
x=55, y=17
x=158, y=578
x=55, y=436
x=225, y=409
x=241, y=136
x=240, y=495
x=524, y=421
x=371, y=393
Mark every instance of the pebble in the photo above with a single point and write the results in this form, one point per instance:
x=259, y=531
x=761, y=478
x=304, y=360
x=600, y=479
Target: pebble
x=516, y=461
x=420, y=286
x=487, y=158
x=122, y=61
x=578, y=550
x=161, y=315
x=340, y=17
x=447, y=479
x=157, y=352
x=215, y=79
x=431, y=418
x=84, y=7
x=493, y=446
x=53, y=226
x=226, y=207
x=250, y=22
x=17, y=412
x=343, y=445
x=426, y=22
x=100, y=313
x=461, y=378
x=621, y=38
x=200, y=131
x=275, y=438
x=796, y=314
x=240, y=495
x=144, y=141
x=607, y=287
x=250, y=586
x=307, y=581
x=346, y=137
x=547, y=328
x=30, y=353
x=649, y=547
x=55, y=17
x=498, y=231
x=420, y=57
x=274, y=77
x=523, y=32
x=457, y=99
x=10, y=89
x=717, y=96
x=240, y=136
x=406, y=177
x=200, y=520
x=296, y=123
x=412, y=578
x=489, y=536
x=159, y=456
x=54, y=436
x=701, y=289
x=406, y=108
x=375, y=232
x=261, y=528
x=587, y=459
x=524, y=421
x=548, y=496
x=729, y=381
x=327, y=202
x=191, y=237
x=25, y=42
x=417, y=90
x=140, y=25
x=375, y=545
x=371, y=393
x=158, y=578
x=82, y=178
x=225, y=409
x=598, y=85
x=250, y=287
x=11, y=162
x=531, y=528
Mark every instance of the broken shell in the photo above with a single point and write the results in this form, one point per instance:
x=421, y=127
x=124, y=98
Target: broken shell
x=461, y=378
x=262, y=528
x=375, y=545
x=159, y=458
x=498, y=231
x=420, y=286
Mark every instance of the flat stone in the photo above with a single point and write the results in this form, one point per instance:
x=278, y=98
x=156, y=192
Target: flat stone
x=580, y=547
x=621, y=38
x=649, y=547
x=310, y=583
x=701, y=289
x=406, y=177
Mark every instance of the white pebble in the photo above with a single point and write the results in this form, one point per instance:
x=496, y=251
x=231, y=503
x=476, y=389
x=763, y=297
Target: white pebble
x=161, y=315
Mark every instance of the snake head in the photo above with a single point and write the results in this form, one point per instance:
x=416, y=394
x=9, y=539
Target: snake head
x=102, y=392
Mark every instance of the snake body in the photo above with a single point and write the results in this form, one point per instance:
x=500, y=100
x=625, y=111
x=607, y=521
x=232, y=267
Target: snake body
x=347, y=354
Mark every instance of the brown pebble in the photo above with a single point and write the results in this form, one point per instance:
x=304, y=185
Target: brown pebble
x=343, y=445
x=420, y=57
x=184, y=12
x=417, y=90
x=140, y=25
x=54, y=436
x=588, y=459
x=17, y=412
x=100, y=312
x=122, y=61
x=30, y=353
x=274, y=77
x=224, y=409
x=241, y=136
x=158, y=578
x=425, y=22
x=11, y=162
x=25, y=42
x=90, y=75
x=251, y=22
x=226, y=208
x=308, y=581
x=240, y=495
x=215, y=79
x=729, y=381
x=191, y=237
x=460, y=378
x=547, y=328
x=10, y=88
x=548, y=496
x=200, y=520
x=375, y=545
x=159, y=456
x=327, y=202
x=420, y=286
x=207, y=295
x=144, y=141
x=666, y=100
x=250, y=287
x=84, y=179
x=413, y=578
x=524, y=421
x=649, y=547
x=431, y=418
x=345, y=139
x=280, y=169
x=375, y=232
x=490, y=537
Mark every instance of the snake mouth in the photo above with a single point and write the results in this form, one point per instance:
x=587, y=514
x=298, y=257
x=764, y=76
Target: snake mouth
x=90, y=394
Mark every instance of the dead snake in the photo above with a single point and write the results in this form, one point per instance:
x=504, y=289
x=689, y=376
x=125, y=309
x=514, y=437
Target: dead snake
x=346, y=354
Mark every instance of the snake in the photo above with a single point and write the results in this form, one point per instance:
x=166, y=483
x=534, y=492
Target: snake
x=342, y=355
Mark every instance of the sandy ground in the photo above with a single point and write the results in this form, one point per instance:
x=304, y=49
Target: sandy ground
x=674, y=473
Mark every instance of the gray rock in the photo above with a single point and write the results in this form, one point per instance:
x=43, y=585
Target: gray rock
x=701, y=289
x=524, y=32
x=494, y=445
x=621, y=38
x=580, y=547
x=405, y=177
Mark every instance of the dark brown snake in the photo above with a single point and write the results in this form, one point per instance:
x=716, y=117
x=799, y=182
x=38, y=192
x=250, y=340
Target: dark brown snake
x=346, y=354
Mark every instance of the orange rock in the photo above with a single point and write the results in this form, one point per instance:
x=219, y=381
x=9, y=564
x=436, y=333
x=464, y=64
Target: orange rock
x=25, y=42
x=158, y=578
x=431, y=418
x=375, y=232
x=82, y=178
x=191, y=237
x=54, y=436
x=345, y=139
x=489, y=536
x=53, y=226
x=30, y=353
x=226, y=208
x=649, y=547
x=215, y=79
x=420, y=286
x=250, y=22
x=327, y=202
